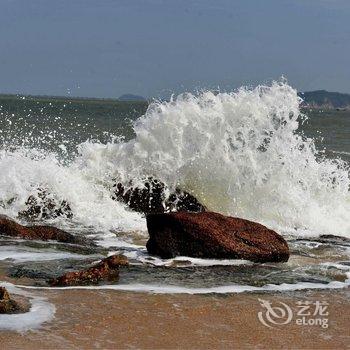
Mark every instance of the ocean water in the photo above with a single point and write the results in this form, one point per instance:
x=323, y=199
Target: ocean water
x=251, y=153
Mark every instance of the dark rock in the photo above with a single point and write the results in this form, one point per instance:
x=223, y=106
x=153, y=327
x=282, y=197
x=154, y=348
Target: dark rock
x=106, y=269
x=11, y=228
x=8, y=305
x=42, y=206
x=184, y=202
x=152, y=198
x=215, y=236
x=148, y=199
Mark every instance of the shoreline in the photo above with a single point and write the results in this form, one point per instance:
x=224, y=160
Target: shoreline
x=88, y=319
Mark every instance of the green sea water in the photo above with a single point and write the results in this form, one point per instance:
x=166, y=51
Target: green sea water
x=49, y=122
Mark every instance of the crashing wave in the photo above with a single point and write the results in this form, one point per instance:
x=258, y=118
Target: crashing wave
x=238, y=153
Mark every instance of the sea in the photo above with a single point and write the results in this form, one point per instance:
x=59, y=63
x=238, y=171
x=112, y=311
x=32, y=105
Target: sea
x=253, y=153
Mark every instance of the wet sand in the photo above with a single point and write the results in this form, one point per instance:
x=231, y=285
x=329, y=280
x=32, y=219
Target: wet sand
x=101, y=319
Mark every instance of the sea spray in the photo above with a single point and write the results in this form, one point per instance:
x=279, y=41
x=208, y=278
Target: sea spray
x=25, y=171
x=239, y=153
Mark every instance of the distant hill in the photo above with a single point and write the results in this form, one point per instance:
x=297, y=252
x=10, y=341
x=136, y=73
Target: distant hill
x=325, y=99
x=130, y=97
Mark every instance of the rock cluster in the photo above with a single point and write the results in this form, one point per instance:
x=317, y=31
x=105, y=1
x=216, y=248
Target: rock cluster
x=44, y=206
x=152, y=197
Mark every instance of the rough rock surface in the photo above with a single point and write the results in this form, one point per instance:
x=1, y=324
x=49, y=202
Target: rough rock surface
x=212, y=235
x=106, y=269
x=8, y=227
x=8, y=305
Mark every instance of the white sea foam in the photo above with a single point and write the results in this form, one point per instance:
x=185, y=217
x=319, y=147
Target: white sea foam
x=238, y=153
x=141, y=256
x=233, y=288
x=23, y=254
x=40, y=311
x=24, y=171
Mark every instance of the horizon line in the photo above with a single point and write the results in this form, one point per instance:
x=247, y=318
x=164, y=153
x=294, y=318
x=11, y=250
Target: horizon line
x=144, y=99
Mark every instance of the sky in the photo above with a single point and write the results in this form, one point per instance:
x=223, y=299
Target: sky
x=153, y=48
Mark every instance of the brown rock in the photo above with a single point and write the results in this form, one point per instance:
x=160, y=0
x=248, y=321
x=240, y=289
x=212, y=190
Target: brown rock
x=152, y=198
x=106, y=269
x=215, y=236
x=11, y=228
x=7, y=305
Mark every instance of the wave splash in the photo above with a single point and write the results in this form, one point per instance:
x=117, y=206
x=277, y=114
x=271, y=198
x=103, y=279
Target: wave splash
x=239, y=153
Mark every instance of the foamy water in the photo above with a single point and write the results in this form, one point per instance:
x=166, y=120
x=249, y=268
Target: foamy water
x=40, y=311
x=231, y=289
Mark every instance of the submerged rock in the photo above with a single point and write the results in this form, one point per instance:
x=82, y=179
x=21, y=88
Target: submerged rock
x=41, y=271
x=153, y=198
x=214, y=236
x=8, y=305
x=8, y=227
x=106, y=269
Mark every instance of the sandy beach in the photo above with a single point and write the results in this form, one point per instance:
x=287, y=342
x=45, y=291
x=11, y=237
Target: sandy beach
x=87, y=319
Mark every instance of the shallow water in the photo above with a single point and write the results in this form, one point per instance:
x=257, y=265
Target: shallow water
x=249, y=153
x=114, y=319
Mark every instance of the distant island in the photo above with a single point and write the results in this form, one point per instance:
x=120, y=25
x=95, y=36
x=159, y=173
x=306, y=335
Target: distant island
x=312, y=99
x=131, y=97
x=325, y=99
x=318, y=99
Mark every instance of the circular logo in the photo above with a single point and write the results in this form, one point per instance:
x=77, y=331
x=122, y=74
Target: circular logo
x=274, y=315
